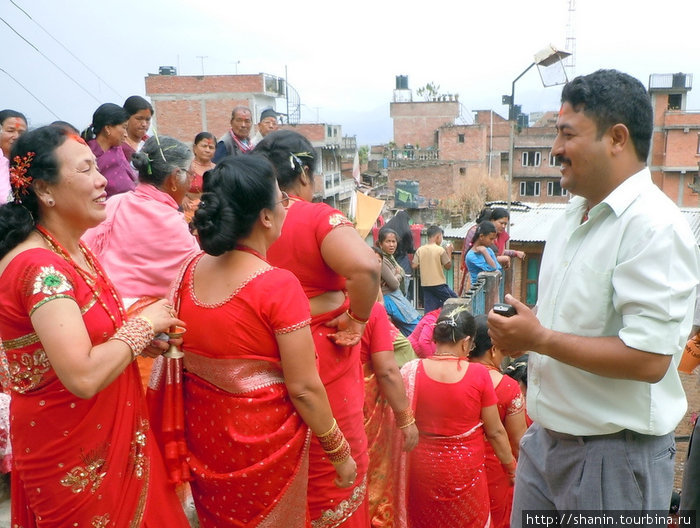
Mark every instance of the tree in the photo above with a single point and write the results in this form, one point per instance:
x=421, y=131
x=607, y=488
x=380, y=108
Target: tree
x=429, y=92
x=474, y=192
x=363, y=153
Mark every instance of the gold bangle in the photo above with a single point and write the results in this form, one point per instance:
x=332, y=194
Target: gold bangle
x=408, y=424
x=329, y=432
x=355, y=318
x=404, y=417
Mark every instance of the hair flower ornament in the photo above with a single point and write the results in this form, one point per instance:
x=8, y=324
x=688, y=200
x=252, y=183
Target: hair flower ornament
x=19, y=180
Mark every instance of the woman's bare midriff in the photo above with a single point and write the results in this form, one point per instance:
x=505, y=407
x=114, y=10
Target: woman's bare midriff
x=326, y=302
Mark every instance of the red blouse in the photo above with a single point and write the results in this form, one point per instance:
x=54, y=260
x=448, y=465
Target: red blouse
x=378, y=335
x=248, y=320
x=298, y=249
x=452, y=408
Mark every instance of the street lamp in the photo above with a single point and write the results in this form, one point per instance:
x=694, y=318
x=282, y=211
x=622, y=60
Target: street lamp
x=552, y=72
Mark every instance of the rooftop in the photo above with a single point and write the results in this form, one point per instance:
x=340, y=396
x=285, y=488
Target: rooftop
x=531, y=222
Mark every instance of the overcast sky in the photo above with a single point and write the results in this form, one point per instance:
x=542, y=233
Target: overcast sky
x=341, y=57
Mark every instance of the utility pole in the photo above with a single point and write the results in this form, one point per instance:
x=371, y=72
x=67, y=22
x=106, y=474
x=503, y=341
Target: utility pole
x=201, y=58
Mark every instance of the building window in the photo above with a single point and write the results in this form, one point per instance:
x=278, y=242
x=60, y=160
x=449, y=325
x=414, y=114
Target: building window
x=328, y=181
x=460, y=138
x=330, y=131
x=531, y=158
x=675, y=101
x=553, y=160
x=462, y=171
x=554, y=189
x=530, y=188
x=698, y=143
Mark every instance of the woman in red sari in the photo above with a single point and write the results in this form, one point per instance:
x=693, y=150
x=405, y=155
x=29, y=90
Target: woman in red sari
x=452, y=400
x=511, y=411
x=386, y=408
x=340, y=275
x=83, y=451
x=251, y=390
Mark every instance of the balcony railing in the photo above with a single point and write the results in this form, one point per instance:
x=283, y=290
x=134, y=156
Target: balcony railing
x=480, y=297
x=414, y=154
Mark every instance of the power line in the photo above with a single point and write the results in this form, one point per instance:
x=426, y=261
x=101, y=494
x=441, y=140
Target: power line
x=30, y=93
x=69, y=51
x=52, y=62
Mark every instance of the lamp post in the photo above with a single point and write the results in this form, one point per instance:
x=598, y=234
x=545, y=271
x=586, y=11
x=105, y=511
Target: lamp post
x=552, y=72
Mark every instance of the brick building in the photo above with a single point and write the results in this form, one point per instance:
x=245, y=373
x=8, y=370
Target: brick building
x=675, y=147
x=434, y=151
x=188, y=104
x=535, y=171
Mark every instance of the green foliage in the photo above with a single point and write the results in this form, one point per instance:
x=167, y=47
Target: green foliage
x=363, y=153
x=429, y=92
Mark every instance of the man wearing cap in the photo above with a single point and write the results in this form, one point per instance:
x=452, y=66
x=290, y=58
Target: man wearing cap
x=268, y=123
x=236, y=141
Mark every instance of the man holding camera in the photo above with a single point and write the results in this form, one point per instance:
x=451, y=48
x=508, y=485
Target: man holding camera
x=616, y=296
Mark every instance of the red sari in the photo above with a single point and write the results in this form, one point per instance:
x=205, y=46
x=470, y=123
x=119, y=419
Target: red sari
x=298, y=249
x=247, y=447
x=77, y=462
x=510, y=401
x=445, y=482
x=379, y=422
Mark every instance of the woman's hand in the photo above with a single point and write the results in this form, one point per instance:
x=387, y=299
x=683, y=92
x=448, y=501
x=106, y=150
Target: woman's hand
x=349, y=331
x=347, y=473
x=504, y=261
x=410, y=437
x=159, y=346
x=188, y=204
x=162, y=315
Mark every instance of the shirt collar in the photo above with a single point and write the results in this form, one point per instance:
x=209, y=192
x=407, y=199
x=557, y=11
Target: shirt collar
x=624, y=194
x=620, y=198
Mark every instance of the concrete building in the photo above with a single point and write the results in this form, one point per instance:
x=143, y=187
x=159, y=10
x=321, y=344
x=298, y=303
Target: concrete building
x=330, y=185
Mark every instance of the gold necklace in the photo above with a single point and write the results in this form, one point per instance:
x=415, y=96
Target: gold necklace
x=446, y=357
x=57, y=248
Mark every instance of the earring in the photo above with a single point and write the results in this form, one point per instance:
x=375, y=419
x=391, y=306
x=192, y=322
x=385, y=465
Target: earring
x=50, y=202
x=173, y=188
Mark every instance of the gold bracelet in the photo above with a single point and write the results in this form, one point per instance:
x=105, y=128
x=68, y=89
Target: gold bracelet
x=329, y=432
x=355, y=318
x=404, y=418
x=408, y=424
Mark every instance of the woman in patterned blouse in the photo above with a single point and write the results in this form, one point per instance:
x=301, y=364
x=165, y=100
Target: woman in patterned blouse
x=83, y=451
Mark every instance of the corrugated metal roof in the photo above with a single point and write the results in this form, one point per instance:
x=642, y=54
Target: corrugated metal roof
x=692, y=215
x=532, y=222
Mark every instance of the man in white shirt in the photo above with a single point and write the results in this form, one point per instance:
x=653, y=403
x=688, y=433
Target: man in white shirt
x=616, y=297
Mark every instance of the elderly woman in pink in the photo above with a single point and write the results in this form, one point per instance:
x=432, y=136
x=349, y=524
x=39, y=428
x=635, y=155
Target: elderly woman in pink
x=145, y=238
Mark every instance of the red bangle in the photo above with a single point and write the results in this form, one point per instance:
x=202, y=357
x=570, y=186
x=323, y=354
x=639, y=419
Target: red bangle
x=355, y=318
